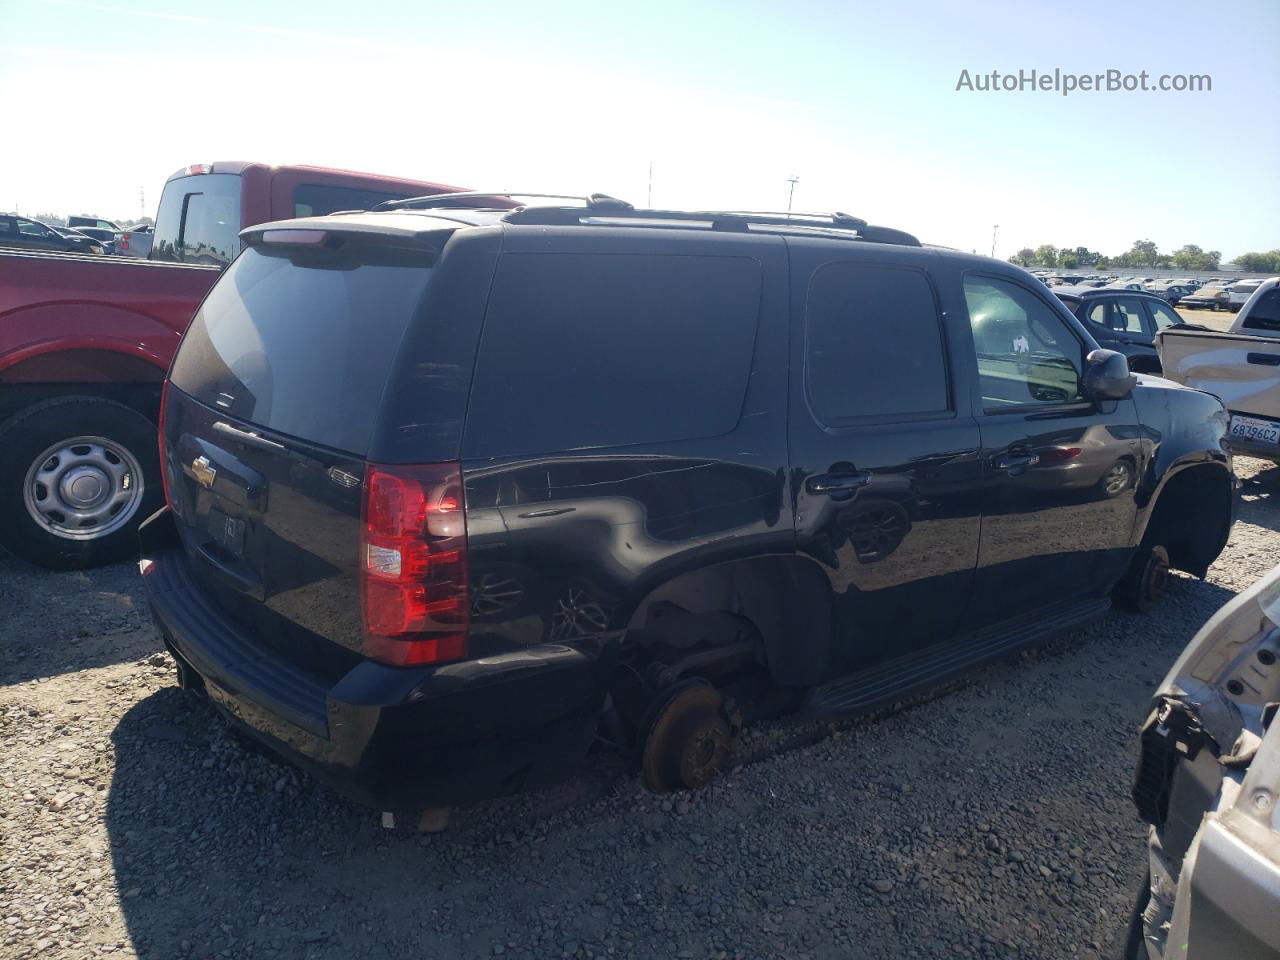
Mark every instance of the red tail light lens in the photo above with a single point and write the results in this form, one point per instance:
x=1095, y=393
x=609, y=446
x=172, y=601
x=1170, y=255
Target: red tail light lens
x=417, y=604
x=164, y=462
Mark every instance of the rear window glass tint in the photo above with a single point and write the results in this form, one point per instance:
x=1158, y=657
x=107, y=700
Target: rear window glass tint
x=316, y=200
x=303, y=346
x=199, y=220
x=873, y=343
x=1265, y=312
x=592, y=350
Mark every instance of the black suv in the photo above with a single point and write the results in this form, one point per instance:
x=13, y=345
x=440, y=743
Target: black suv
x=1124, y=320
x=453, y=492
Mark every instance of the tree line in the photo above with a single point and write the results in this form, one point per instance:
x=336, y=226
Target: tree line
x=1143, y=253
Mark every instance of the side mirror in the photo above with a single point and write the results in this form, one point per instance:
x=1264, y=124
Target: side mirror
x=1107, y=376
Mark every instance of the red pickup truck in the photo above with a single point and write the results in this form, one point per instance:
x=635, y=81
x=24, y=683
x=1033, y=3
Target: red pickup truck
x=85, y=342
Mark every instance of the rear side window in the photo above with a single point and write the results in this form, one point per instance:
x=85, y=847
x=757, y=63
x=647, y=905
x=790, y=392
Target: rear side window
x=302, y=342
x=873, y=343
x=199, y=220
x=317, y=200
x=1265, y=312
x=592, y=350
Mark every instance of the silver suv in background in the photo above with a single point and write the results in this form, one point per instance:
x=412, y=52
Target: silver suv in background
x=1208, y=782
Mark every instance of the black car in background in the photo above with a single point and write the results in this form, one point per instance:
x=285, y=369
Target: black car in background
x=27, y=234
x=1123, y=320
x=452, y=493
x=106, y=238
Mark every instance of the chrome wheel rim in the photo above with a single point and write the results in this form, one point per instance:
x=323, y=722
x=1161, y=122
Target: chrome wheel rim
x=1117, y=478
x=577, y=615
x=83, y=488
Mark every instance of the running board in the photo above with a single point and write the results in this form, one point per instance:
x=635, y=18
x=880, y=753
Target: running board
x=909, y=674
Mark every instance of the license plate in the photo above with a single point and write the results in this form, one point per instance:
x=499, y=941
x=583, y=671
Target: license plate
x=1259, y=431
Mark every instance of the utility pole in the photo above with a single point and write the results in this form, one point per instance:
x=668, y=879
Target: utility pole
x=793, y=180
x=142, y=202
x=649, y=202
x=994, y=230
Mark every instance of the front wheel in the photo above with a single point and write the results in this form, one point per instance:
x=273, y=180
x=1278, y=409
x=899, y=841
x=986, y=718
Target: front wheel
x=77, y=477
x=1147, y=580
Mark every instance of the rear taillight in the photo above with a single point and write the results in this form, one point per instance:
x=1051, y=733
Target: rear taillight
x=164, y=461
x=413, y=559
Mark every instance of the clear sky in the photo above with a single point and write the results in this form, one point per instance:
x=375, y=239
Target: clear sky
x=727, y=99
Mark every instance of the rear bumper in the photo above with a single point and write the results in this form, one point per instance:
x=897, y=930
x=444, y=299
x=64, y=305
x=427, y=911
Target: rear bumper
x=394, y=738
x=1253, y=448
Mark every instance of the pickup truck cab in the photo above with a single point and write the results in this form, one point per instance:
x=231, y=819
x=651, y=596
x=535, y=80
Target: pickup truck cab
x=1241, y=366
x=85, y=342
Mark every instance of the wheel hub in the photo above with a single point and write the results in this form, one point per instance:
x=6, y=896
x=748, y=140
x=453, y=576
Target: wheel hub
x=83, y=488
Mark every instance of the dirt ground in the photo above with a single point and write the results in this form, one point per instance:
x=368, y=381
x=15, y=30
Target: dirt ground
x=990, y=820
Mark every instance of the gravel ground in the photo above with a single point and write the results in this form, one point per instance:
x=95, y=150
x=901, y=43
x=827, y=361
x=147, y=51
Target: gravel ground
x=991, y=820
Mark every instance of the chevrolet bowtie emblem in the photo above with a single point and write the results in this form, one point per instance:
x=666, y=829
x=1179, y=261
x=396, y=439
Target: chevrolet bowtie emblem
x=203, y=471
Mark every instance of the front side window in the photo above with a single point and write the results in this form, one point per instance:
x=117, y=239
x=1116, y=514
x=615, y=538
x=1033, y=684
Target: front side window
x=1127, y=316
x=1163, y=315
x=873, y=343
x=1026, y=353
x=29, y=228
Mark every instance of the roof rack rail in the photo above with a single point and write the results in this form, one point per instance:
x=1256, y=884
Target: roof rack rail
x=594, y=201
x=827, y=224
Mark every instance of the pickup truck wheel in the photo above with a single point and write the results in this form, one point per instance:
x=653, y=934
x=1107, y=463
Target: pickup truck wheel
x=1148, y=578
x=77, y=477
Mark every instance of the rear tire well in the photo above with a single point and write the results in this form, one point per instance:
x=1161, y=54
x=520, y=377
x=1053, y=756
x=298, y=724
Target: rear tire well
x=787, y=601
x=101, y=374
x=1191, y=517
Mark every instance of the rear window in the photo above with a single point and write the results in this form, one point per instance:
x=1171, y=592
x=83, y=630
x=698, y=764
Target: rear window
x=316, y=200
x=199, y=220
x=1265, y=312
x=301, y=342
x=592, y=350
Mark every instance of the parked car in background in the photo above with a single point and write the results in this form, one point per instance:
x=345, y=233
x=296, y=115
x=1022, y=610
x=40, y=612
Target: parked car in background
x=24, y=233
x=433, y=564
x=1208, y=783
x=106, y=238
x=1208, y=297
x=1171, y=292
x=85, y=342
x=1240, y=293
x=95, y=222
x=1242, y=366
x=1123, y=320
x=136, y=241
x=82, y=243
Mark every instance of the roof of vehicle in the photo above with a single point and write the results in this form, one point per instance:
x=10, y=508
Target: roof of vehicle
x=240, y=166
x=1102, y=293
x=422, y=215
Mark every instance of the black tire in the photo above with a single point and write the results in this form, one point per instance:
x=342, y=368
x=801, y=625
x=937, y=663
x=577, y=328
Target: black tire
x=1217, y=307
x=1144, y=585
x=31, y=432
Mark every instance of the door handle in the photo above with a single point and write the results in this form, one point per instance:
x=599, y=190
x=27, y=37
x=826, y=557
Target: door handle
x=1017, y=458
x=835, y=484
x=1265, y=359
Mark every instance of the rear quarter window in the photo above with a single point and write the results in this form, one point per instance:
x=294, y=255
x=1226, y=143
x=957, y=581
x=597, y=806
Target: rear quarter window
x=596, y=350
